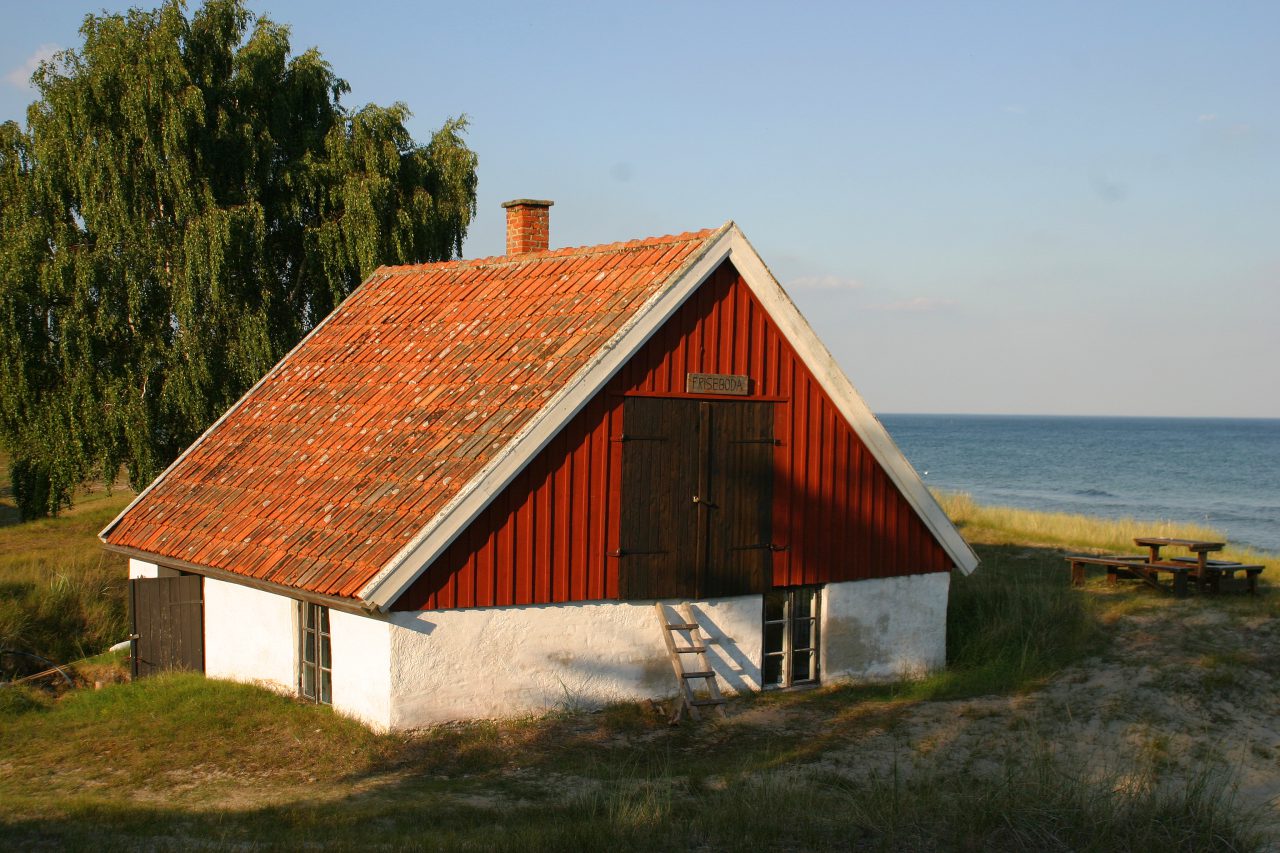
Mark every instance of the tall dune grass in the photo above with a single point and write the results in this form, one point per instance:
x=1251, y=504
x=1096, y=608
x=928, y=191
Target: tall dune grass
x=61, y=596
x=1002, y=524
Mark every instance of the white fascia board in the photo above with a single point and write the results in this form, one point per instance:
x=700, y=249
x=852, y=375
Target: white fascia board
x=431, y=541
x=847, y=399
x=279, y=365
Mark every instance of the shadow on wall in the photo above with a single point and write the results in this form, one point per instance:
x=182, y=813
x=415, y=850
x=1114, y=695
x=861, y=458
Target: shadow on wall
x=736, y=670
x=502, y=661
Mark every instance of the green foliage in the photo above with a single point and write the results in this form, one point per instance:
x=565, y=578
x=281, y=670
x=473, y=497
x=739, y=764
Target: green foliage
x=187, y=201
x=30, y=483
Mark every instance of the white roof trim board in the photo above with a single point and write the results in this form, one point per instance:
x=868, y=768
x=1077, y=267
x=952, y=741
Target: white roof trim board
x=727, y=243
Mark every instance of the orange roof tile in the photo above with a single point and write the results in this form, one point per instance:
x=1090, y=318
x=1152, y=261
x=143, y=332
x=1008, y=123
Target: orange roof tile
x=345, y=451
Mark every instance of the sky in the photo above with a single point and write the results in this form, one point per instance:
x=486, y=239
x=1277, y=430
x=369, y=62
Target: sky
x=998, y=208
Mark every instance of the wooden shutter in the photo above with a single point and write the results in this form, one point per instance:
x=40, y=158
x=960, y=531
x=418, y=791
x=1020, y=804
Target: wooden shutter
x=658, y=533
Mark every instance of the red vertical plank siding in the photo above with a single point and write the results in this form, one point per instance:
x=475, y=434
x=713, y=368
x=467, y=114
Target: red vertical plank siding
x=613, y=517
x=525, y=537
x=548, y=536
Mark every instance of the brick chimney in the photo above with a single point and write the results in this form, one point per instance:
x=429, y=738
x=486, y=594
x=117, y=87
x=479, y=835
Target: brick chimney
x=527, y=229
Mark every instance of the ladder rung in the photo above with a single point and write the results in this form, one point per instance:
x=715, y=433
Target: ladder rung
x=702, y=703
x=682, y=626
x=689, y=650
x=707, y=674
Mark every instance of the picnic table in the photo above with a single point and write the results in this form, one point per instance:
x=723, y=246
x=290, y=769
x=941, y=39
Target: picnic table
x=1208, y=573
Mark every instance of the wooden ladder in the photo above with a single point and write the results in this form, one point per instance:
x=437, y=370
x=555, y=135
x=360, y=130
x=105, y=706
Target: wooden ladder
x=696, y=644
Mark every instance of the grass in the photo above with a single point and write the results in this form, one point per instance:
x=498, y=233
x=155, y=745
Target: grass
x=161, y=762
x=61, y=596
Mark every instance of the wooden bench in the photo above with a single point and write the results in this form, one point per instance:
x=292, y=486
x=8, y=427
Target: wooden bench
x=1209, y=573
x=1137, y=567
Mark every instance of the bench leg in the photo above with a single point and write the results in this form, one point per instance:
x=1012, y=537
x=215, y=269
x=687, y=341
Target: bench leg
x=1111, y=575
x=1251, y=582
x=1077, y=574
x=1180, y=584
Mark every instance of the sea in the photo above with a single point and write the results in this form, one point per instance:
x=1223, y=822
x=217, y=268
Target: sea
x=1219, y=472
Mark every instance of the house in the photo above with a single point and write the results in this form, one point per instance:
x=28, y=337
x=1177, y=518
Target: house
x=462, y=494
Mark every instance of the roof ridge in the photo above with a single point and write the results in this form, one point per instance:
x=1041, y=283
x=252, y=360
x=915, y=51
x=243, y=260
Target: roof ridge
x=552, y=254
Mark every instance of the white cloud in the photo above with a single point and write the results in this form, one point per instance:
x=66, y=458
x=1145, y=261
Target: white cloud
x=918, y=305
x=1206, y=117
x=20, y=77
x=824, y=282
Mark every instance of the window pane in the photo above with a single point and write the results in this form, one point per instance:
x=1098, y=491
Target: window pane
x=326, y=687
x=309, y=682
x=311, y=615
x=803, y=608
x=324, y=618
x=772, y=670
x=774, y=603
x=324, y=653
x=773, y=638
x=309, y=647
x=800, y=667
x=802, y=635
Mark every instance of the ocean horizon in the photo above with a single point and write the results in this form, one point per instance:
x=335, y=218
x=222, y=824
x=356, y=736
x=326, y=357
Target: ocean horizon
x=1220, y=472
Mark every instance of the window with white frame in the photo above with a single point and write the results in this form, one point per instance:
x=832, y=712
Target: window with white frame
x=315, y=679
x=790, y=637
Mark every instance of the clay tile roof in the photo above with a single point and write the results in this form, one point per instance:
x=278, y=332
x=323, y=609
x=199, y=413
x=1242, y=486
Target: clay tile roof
x=342, y=454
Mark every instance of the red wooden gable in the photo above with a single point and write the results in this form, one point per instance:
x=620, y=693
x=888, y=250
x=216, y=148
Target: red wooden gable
x=548, y=536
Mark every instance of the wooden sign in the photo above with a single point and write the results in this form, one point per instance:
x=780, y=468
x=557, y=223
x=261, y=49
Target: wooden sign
x=717, y=383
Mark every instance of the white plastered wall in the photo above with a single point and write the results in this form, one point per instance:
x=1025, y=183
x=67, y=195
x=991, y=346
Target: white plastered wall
x=361, y=667
x=414, y=669
x=504, y=661
x=143, y=569
x=884, y=628
x=250, y=635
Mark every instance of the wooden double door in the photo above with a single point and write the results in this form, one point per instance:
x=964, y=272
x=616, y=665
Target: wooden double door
x=697, y=498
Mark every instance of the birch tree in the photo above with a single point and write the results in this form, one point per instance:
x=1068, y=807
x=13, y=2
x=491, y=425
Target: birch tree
x=187, y=200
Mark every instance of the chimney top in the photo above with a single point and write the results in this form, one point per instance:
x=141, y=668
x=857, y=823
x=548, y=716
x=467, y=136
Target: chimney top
x=528, y=202
x=527, y=225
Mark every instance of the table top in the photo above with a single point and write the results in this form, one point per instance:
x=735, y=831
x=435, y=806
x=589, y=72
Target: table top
x=1189, y=544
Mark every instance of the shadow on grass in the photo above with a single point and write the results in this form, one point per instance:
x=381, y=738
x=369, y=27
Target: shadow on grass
x=618, y=779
